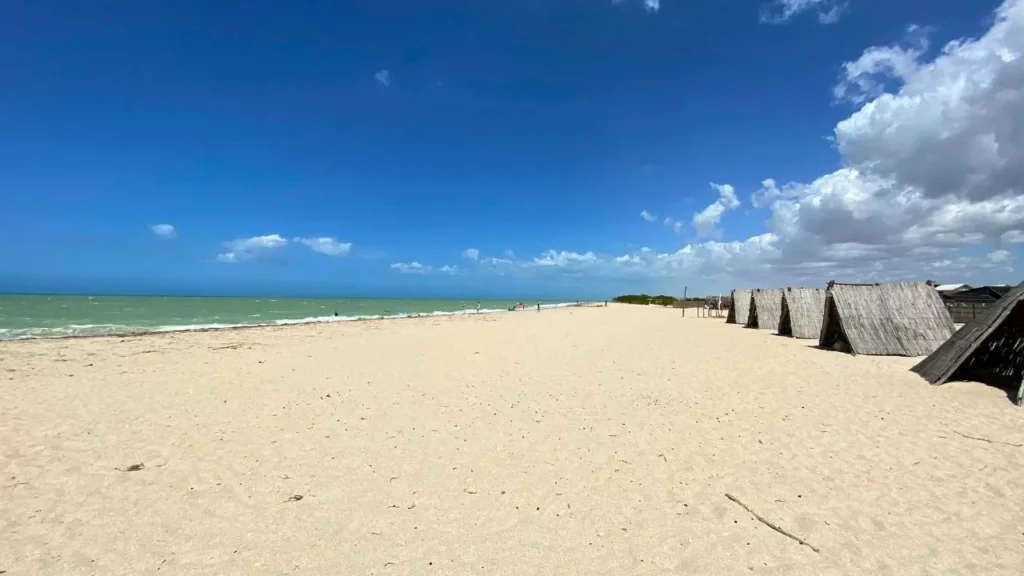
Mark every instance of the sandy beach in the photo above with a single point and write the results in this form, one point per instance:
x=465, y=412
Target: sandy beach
x=577, y=441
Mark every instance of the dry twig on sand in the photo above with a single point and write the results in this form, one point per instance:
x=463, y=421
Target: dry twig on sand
x=769, y=524
x=228, y=347
x=132, y=468
x=989, y=441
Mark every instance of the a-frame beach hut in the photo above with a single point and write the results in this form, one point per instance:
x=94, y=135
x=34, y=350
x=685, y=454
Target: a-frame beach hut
x=898, y=319
x=990, y=345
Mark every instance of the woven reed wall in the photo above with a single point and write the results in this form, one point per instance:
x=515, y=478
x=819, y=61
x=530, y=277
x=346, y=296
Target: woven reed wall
x=766, y=310
x=739, y=312
x=802, y=312
x=899, y=319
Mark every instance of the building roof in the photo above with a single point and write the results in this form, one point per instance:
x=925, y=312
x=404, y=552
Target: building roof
x=980, y=295
x=952, y=287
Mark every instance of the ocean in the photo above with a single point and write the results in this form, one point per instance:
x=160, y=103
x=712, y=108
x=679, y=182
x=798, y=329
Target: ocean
x=43, y=316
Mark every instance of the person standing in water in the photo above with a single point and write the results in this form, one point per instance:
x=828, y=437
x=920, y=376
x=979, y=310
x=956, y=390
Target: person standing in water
x=478, y=306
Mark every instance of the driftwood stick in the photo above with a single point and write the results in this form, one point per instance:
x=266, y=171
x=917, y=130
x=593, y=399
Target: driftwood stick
x=769, y=524
x=228, y=347
x=989, y=441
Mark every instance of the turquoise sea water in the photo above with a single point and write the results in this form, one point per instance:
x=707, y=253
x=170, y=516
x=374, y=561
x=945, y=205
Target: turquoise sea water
x=41, y=316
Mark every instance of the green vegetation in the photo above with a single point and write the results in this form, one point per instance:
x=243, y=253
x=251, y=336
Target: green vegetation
x=646, y=299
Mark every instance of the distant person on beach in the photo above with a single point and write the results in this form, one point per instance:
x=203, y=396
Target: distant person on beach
x=478, y=307
x=335, y=312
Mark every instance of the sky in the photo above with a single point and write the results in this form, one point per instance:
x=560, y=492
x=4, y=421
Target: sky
x=518, y=148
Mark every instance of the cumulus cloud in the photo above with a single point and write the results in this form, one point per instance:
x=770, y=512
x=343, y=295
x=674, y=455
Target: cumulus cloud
x=252, y=249
x=676, y=225
x=999, y=257
x=326, y=246
x=563, y=259
x=272, y=246
x=782, y=11
x=383, y=78
x=418, y=268
x=706, y=221
x=648, y=216
x=931, y=183
x=650, y=6
x=471, y=254
x=494, y=261
x=864, y=77
x=932, y=166
x=164, y=231
x=410, y=268
x=1012, y=237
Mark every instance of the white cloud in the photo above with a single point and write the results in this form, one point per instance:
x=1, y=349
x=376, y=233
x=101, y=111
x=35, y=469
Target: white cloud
x=492, y=261
x=932, y=166
x=164, y=230
x=956, y=126
x=782, y=11
x=252, y=249
x=471, y=254
x=999, y=257
x=863, y=78
x=932, y=178
x=1012, y=237
x=676, y=225
x=563, y=259
x=410, y=268
x=648, y=216
x=706, y=221
x=417, y=268
x=383, y=78
x=326, y=245
x=650, y=6
x=509, y=254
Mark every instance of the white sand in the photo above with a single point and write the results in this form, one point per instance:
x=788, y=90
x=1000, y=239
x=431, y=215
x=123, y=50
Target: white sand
x=579, y=441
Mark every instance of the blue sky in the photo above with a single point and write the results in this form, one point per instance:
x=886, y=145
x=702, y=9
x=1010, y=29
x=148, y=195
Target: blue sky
x=526, y=147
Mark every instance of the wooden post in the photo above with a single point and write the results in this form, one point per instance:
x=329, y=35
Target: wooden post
x=684, y=302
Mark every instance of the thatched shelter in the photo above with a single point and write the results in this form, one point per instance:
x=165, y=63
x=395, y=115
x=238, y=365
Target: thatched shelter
x=739, y=311
x=900, y=319
x=802, y=312
x=765, y=309
x=990, y=345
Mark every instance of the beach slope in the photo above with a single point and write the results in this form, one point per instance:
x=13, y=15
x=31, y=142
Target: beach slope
x=575, y=441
